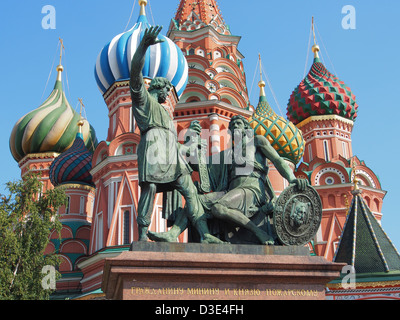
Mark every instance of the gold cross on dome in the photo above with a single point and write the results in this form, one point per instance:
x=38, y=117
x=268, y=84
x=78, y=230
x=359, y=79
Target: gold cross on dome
x=81, y=122
x=354, y=175
x=313, y=30
x=62, y=48
x=82, y=106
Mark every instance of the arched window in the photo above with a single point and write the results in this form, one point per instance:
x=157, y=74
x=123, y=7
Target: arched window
x=82, y=205
x=67, y=207
x=99, y=234
x=126, y=227
x=193, y=99
x=310, y=155
x=326, y=150
x=332, y=201
x=377, y=204
x=368, y=201
x=344, y=149
x=217, y=54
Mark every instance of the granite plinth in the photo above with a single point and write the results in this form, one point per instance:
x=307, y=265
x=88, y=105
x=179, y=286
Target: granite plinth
x=142, y=246
x=172, y=271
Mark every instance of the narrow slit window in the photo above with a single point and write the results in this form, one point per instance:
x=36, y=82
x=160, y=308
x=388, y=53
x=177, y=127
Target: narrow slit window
x=326, y=150
x=126, y=227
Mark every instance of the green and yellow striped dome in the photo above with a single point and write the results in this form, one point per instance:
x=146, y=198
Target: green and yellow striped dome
x=50, y=128
x=283, y=135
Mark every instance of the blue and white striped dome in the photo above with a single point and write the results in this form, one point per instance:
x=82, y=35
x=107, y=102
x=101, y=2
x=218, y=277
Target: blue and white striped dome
x=162, y=60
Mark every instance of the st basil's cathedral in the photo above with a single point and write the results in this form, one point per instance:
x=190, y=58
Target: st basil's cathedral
x=201, y=58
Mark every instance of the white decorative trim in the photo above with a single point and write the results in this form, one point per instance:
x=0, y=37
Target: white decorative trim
x=100, y=273
x=327, y=170
x=323, y=118
x=66, y=259
x=214, y=117
x=366, y=175
x=73, y=241
x=113, y=159
x=214, y=127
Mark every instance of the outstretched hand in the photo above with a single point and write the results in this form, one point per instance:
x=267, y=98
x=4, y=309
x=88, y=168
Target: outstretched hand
x=301, y=184
x=195, y=127
x=193, y=136
x=150, y=36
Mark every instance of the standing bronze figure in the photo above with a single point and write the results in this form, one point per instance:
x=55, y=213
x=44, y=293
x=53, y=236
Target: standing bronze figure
x=162, y=166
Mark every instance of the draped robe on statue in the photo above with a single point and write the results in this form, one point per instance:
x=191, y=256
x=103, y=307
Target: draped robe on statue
x=244, y=187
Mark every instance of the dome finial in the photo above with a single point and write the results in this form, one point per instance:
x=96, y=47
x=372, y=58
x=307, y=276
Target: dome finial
x=81, y=122
x=142, y=4
x=354, y=177
x=267, y=123
x=315, y=47
x=261, y=84
x=113, y=62
x=60, y=68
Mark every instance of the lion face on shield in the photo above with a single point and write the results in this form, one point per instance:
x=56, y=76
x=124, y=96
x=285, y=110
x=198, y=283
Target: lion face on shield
x=299, y=214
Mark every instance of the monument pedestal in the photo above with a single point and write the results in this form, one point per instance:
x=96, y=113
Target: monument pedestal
x=174, y=271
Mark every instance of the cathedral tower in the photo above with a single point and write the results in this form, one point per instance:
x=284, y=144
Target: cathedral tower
x=55, y=141
x=325, y=109
x=42, y=134
x=216, y=89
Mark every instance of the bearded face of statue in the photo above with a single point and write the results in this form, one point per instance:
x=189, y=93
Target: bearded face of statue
x=162, y=94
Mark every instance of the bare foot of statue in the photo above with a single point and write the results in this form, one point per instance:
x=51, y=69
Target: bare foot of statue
x=162, y=236
x=208, y=238
x=264, y=238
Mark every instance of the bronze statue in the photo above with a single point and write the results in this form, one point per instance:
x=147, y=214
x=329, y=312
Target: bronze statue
x=242, y=194
x=241, y=187
x=162, y=166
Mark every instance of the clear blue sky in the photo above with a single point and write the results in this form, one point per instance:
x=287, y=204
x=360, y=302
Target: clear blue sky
x=366, y=59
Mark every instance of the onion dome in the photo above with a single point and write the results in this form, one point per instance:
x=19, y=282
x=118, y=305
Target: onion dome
x=73, y=165
x=283, y=135
x=162, y=60
x=52, y=127
x=321, y=93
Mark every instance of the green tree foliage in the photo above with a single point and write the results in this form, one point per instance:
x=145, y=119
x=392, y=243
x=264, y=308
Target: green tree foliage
x=26, y=218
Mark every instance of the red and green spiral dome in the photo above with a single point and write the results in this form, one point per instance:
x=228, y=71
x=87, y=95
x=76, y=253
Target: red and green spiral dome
x=321, y=93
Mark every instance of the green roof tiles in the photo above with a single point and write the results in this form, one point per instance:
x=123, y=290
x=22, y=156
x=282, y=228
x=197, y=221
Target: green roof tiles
x=321, y=93
x=364, y=244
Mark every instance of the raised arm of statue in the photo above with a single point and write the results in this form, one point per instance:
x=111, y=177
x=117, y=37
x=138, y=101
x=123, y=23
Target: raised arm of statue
x=138, y=60
x=270, y=153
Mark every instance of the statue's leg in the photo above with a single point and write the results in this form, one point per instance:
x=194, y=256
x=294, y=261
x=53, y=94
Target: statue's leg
x=180, y=224
x=145, y=209
x=238, y=218
x=194, y=209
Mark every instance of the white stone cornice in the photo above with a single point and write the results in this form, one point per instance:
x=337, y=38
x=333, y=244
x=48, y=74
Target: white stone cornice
x=213, y=103
x=111, y=160
x=324, y=118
